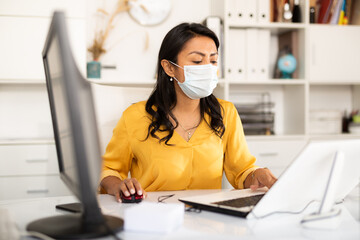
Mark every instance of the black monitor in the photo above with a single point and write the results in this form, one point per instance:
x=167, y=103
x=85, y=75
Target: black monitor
x=76, y=138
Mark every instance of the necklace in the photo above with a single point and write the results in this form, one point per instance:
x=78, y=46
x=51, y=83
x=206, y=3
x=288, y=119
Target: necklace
x=188, y=131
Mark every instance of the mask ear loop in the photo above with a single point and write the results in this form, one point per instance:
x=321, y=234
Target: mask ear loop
x=176, y=64
x=171, y=79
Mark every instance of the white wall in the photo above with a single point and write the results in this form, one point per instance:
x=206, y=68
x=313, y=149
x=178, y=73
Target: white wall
x=128, y=38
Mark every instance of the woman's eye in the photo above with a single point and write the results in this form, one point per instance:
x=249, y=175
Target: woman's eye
x=196, y=62
x=214, y=62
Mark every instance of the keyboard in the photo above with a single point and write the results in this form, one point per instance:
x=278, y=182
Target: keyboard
x=241, y=202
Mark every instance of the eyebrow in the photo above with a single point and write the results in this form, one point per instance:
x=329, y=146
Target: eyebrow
x=202, y=54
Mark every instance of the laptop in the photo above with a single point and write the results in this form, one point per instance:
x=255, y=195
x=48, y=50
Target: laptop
x=301, y=183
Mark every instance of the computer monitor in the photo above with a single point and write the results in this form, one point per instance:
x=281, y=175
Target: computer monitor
x=76, y=138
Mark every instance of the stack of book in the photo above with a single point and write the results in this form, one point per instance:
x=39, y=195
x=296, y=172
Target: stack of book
x=339, y=12
x=257, y=117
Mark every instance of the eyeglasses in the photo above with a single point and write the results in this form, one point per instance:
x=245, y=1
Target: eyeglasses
x=161, y=199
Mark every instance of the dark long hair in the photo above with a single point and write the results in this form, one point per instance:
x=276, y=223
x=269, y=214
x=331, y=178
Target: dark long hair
x=163, y=98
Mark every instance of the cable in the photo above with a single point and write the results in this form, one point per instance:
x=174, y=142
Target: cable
x=286, y=212
x=161, y=199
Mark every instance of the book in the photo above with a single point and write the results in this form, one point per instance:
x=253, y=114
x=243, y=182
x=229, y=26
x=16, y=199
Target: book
x=322, y=10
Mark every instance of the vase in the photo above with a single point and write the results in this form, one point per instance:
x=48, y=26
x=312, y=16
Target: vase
x=93, y=69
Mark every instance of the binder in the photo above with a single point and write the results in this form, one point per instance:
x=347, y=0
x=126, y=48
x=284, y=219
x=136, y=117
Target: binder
x=250, y=11
x=232, y=12
x=235, y=60
x=251, y=53
x=263, y=11
x=214, y=23
x=263, y=57
x=240, y=11
x=335, y=16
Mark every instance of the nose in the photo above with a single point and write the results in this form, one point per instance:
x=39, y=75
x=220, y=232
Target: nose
x=207, y=60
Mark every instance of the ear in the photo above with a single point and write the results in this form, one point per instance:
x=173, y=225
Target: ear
x=168, y=68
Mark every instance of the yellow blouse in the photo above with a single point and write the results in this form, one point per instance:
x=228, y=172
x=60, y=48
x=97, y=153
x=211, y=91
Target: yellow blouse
x=196, y=164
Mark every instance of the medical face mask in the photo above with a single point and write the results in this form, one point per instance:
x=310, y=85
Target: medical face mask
x=200, y=80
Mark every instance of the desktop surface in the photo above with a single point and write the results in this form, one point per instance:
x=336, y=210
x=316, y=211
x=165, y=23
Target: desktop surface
x=200, y=225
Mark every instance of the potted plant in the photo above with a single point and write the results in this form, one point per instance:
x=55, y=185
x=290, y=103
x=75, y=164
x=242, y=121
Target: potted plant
x=97, y=49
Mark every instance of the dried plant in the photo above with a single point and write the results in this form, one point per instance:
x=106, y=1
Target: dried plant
x=97, y=47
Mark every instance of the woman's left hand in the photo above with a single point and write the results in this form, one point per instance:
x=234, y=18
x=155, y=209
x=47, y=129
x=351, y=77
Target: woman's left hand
x=261, y=177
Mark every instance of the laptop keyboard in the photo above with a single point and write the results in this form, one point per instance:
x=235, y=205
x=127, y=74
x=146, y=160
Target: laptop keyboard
x=241, y=202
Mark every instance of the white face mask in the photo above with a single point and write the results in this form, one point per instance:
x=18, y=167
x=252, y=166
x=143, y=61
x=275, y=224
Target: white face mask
x=200, y=80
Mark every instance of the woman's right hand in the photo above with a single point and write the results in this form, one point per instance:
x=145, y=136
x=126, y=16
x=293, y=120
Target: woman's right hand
x=114, y=185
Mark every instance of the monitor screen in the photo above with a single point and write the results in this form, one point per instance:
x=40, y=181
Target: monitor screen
x=61, y=123
x=76, y=139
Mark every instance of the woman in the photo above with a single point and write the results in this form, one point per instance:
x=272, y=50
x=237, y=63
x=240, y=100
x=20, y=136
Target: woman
x=182, y=137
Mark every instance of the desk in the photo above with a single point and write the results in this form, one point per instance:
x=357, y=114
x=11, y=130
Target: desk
x=204, y=225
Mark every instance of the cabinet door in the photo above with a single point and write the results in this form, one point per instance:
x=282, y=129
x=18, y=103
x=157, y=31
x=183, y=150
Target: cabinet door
x=334, y=53
x=23, y=41
x=275, y=154
x=25, y=160
x=31, y=187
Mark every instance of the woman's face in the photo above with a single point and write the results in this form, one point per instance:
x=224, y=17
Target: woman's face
x=197, y=51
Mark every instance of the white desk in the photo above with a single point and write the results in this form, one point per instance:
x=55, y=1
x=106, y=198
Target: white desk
x=204, y=225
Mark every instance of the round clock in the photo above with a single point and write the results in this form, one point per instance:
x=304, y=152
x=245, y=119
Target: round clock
x=149, y=12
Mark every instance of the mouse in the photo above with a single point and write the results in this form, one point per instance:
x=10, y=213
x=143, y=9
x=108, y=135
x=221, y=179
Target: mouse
x=133, y=198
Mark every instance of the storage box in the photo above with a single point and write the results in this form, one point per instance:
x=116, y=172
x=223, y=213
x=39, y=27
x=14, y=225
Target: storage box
x=154, y=217
x=325, y=122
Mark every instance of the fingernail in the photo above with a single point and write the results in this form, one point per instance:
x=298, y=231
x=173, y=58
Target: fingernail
x=126, y=193
x=119, y=200
x=139, y=192
x=132, y=191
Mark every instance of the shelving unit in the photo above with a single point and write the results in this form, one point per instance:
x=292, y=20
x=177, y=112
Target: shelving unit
x=317, y=86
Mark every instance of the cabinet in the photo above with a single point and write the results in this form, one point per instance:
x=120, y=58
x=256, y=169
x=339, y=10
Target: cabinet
x=29, y=170
x=28, y=161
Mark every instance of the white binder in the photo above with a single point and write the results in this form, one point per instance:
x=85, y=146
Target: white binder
x=252, y=70
x=231, y=12
x=214, y=24
x=240, y=12
x=263, y=57
x=250, y=11
x=235, y=60
x=263, y=11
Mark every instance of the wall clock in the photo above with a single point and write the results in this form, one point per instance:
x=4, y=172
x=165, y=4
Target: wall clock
x=149, y=12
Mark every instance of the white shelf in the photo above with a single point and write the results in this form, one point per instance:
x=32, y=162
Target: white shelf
x=121, y=84
x=275, y=28
x=334, y=136
x=25, y=141
x=22, y=82
x=302, y=137
x=334, y=82
x=130, y=84
x=270, y=82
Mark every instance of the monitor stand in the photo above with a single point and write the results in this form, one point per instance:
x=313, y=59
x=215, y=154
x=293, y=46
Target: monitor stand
x=70, y=207
x=73, y=226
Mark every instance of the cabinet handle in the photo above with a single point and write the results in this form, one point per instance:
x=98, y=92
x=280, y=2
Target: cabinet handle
x=268, y=154
x=36, y=160
x=35, y=191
